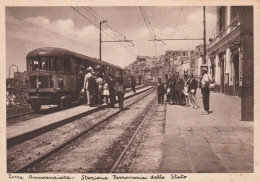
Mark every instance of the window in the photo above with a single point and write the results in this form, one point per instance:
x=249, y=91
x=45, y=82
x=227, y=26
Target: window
x=66, y=64
x=49, y=64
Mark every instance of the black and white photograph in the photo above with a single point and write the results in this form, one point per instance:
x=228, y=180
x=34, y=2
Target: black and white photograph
x=129, y=90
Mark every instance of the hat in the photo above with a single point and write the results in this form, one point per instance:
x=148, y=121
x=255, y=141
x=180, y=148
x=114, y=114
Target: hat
x=204, y=69
x=89, y=68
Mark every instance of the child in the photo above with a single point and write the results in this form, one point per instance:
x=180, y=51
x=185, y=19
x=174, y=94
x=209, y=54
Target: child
x=105, y=91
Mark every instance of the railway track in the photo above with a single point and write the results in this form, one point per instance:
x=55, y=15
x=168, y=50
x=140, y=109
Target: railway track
x=119, y=159
x=48, y=110
x=16, y=135
x=57, y=148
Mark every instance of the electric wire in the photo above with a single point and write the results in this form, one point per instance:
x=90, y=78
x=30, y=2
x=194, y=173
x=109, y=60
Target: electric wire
x=101, y=29
x=55, y=33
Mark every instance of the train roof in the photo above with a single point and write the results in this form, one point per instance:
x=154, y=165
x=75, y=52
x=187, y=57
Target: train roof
x=53, y=51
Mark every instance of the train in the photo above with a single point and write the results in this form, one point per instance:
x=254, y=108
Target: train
x=53, y=75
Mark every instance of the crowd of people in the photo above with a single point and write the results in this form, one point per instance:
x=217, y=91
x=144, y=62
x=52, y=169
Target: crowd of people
x=97, y=89
x=182, y=91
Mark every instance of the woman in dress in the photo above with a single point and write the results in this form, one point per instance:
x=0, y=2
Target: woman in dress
x=192, y=89
x=105, y=91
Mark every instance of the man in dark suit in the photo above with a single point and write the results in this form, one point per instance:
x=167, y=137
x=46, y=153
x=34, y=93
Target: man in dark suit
x=133, y=82
x=111, y=87
x=179, y=86
x=160, y=91
x=92, y=88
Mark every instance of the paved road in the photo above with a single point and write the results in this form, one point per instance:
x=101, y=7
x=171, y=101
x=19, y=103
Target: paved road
x=218, y=142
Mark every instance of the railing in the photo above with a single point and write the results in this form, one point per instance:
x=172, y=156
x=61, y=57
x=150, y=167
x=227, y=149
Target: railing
x=16, y=96
x=224, y=32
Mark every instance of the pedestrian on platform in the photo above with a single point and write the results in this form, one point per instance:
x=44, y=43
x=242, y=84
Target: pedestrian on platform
x=186, y=95
x=205, y=84
x=160, y=91
x=111, y=87
x=168, y=90
x=99, y=82
x=192, y=89
x=95, y=93
x=171, y=94
x=120, y=91
x=92, y=88
x=179, y=86
x=85, y=87
x=133, y=83
x=173, y=98
x=105, y=91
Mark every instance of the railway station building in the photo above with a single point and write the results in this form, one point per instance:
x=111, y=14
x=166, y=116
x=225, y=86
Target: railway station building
x=230, y=55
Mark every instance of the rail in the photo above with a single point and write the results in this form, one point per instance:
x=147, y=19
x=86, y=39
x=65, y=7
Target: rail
x=44, y=156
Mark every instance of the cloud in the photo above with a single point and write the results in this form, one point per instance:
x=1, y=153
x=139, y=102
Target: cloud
x=39, y=20
x=86, y=38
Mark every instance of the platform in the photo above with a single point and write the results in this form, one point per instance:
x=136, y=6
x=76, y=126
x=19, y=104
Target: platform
x=214, y=143
x=25, y=130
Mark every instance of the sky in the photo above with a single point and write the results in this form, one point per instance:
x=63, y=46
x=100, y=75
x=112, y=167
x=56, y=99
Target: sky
x=28, y=28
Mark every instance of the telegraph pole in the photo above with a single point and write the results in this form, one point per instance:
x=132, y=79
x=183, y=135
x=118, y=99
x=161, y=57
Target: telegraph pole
x=100, y=37
x=204, y=34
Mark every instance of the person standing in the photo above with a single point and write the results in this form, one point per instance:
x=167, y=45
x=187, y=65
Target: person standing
x=92, y=88
x=111, y=87
x=160, y=91
x=105, y=91
x=85, y=87
x=99, y=82
x=173, y=97
x=120, y=92
x=171, y=87
x=186, y=92
x=133, y=82
x=205, y=84
x=179, y=86
x=192, y=89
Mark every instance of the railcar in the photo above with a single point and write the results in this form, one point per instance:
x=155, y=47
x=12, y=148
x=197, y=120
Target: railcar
x=54, y=75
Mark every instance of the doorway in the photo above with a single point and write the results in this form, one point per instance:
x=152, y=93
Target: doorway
x=236, y=75
x=222, y=74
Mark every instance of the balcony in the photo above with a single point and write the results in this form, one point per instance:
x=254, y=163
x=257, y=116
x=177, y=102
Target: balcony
x=224, y=38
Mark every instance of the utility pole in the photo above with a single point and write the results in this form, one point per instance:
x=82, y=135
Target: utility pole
x=100, y=37
x=204, y=34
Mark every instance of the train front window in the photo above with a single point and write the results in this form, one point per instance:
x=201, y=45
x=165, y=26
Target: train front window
x=49, y=64
x=38, y=63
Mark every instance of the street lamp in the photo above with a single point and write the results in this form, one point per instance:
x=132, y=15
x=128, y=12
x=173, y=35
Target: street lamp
x=10, y=68
x=100, y=38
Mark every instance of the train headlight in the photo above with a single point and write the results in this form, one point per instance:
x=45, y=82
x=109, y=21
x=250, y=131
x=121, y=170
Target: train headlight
x=59, y=80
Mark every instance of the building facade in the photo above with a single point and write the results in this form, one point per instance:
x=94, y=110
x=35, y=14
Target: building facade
x=230, y=54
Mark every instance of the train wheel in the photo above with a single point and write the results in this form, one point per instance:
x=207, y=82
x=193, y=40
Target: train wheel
x=36, y=107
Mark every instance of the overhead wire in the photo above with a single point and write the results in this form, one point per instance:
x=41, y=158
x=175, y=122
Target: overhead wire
x=99, y=27
x=96, y=15
x=149, y=27
x=55, y=33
